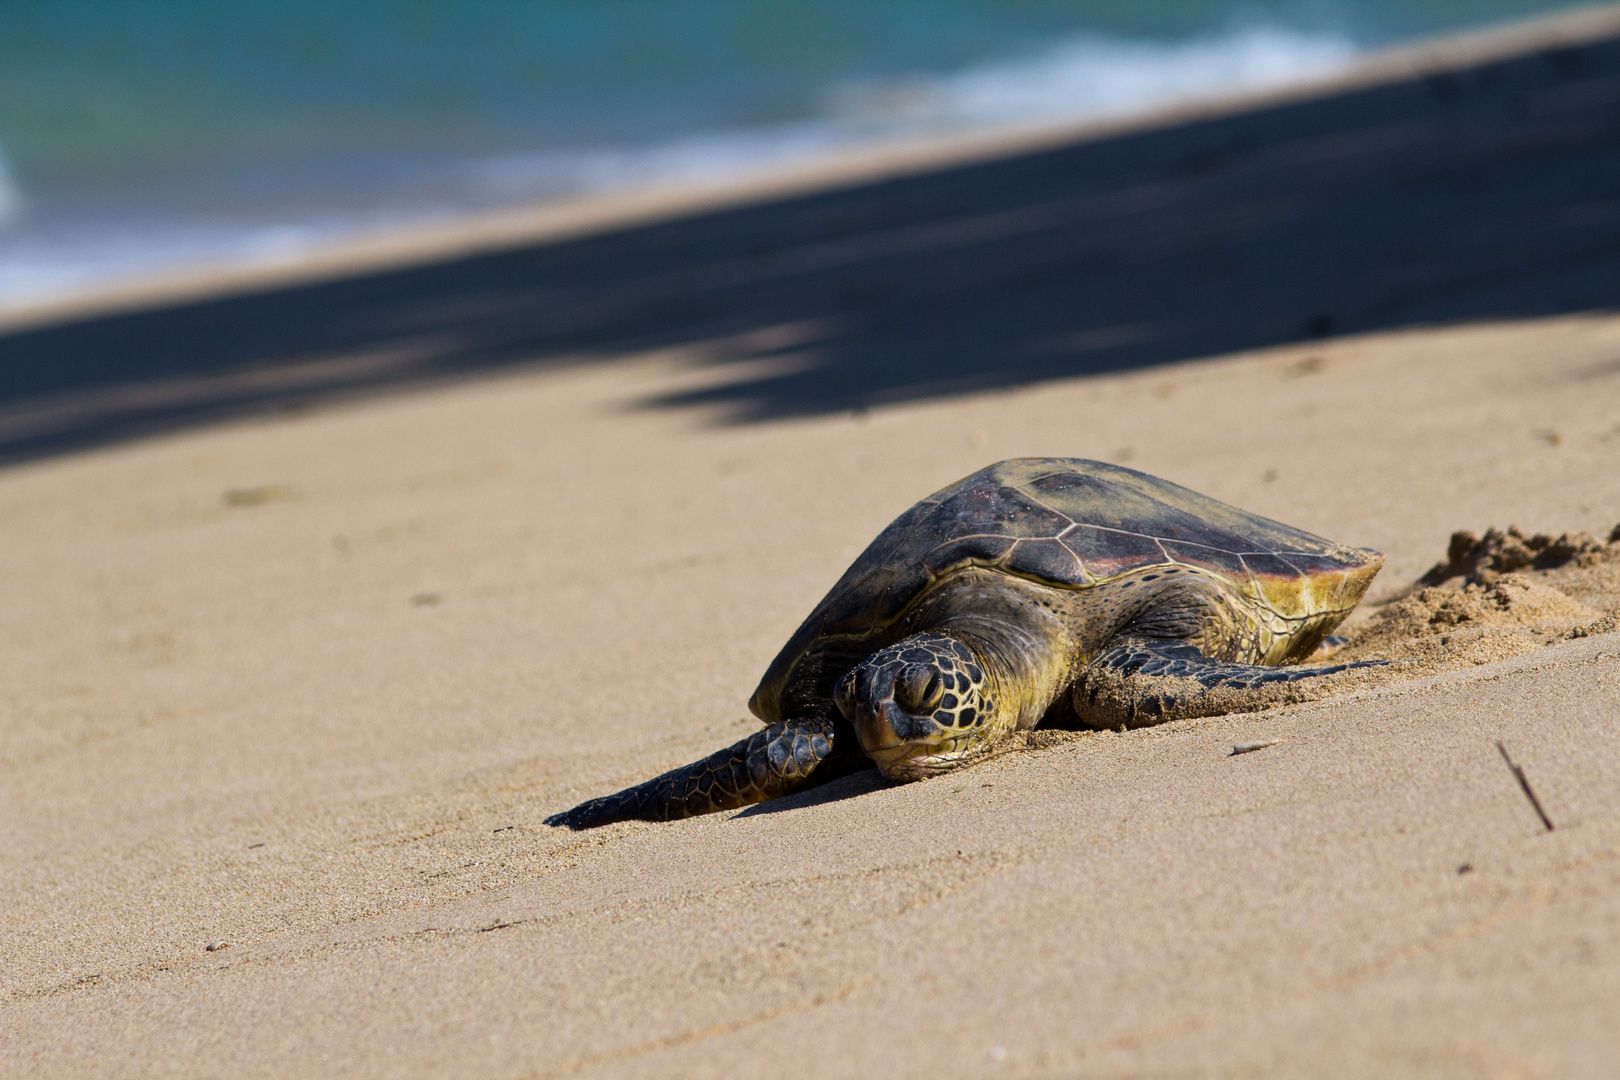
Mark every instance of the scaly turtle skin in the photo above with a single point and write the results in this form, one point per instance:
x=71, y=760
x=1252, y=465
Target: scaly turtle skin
x=1038, y=589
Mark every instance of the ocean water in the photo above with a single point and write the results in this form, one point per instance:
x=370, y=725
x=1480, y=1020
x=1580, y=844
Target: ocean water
x=139, y=137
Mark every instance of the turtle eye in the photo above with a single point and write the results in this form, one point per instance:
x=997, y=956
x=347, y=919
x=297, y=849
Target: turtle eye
x=844, y=696
x=918, y=689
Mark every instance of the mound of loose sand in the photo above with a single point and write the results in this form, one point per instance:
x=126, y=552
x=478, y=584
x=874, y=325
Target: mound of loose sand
x=1493, y=597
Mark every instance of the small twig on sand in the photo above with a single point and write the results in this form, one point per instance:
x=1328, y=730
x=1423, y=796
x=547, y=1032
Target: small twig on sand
x=1524, y=784
x=1251, y=747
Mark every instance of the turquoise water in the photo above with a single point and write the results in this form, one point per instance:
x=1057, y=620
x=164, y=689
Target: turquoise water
x=141, y=136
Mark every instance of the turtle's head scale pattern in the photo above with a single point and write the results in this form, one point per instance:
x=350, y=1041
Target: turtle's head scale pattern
x=922, y=706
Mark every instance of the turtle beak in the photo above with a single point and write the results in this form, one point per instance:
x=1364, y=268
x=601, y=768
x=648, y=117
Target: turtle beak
x=888, y=733
x=891, y=735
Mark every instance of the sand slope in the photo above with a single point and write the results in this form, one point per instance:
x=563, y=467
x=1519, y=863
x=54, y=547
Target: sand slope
x=305, y=688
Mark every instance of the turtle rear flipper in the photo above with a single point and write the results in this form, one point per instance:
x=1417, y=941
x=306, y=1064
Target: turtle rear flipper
x=776, y=761
x=1138, y=683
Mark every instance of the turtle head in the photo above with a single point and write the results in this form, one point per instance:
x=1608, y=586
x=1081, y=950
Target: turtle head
x=921, y=706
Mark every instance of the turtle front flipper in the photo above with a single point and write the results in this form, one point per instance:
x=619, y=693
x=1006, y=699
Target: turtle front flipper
x=773, y=762
x=1138, y=683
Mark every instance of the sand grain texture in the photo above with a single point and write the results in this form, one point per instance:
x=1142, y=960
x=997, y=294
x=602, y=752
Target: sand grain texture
x=303, y=690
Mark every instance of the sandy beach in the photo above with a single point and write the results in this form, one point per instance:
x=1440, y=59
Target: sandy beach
x=318, y=599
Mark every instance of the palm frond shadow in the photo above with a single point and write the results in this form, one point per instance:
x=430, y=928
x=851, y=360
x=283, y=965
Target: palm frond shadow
x=1485, y=193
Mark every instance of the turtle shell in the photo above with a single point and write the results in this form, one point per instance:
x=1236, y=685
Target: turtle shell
x=1072, y=524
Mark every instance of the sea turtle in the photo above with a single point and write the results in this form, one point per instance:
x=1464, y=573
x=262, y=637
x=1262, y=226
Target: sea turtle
x=1055, y=589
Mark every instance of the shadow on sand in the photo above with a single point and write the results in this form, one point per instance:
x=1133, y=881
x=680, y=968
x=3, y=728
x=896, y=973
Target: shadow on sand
x=853, y=786
x=1491, y=192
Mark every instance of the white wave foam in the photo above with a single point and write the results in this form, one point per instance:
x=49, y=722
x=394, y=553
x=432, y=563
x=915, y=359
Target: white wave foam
x=1093, y=76
x=1085, y=77
x=48, y=264
x=509, y=177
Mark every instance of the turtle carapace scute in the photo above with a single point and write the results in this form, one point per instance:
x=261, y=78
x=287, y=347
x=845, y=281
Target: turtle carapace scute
x=1035, y=588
